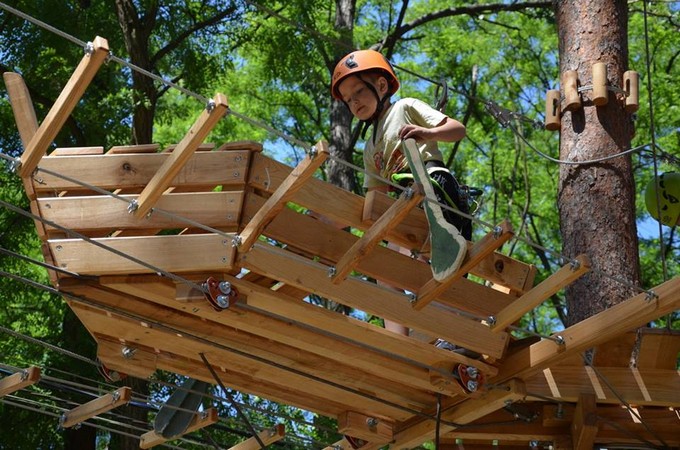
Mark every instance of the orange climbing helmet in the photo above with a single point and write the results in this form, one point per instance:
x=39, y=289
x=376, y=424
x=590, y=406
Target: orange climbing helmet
x=667, y=210
x=362, y=61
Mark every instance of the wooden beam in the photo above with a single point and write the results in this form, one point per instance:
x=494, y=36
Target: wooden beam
x=182, y=153
x=187, y=253
x=480, y=250
x=551, y=285
x=377, y=232
x=584, y=426
x=24, y=113
x=135, y=171
x=95, y=407
x=371, y=429
x=268, y=437
x=101, y=212
x=293, y=182
x=200, y=420
x=63, y=106
x=462, y=413
x=373, y=299
x=19, y=380
x=602, y=327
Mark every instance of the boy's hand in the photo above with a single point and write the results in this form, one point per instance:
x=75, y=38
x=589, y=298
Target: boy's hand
x=414, y=132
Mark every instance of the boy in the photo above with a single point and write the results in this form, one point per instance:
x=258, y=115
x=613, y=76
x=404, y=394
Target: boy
x=365, y=81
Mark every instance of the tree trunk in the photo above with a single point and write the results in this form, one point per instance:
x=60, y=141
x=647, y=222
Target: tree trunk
x=596, y=201
x=136, y=33
x=341, y=144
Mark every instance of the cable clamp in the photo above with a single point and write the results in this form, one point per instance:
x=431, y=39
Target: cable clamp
x=115, y=396
x=497, y=232
x=15, y=165
x=559, y=340
x=412, y=298
x=574, y=264
x=89, y=48
x=332, y=271
x=210, y=106
x=313, y=152
x=133, y=206
x=236, y=241
x=651, y=295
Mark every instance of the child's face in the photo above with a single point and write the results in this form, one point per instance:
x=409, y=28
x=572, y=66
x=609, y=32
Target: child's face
x=362, y=103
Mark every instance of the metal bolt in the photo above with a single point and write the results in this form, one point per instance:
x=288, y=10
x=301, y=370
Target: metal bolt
x=497, y=231
x=24, y=375
x=225, y=287
x=210, y=105
x=89, y=48
x=128, y=352
x=412, y=297
x=14, y=166
x=559, y=340
x=472, y=386
x=574, y=264
x=222, y=301
x=313, y=152
x=372, y=422
x=472, y=372
x=408, y=193
x=491, y=320
x=115, y=397
x=332, y=271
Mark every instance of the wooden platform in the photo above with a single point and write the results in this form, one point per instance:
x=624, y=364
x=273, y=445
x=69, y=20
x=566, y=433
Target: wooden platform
x=136, y=270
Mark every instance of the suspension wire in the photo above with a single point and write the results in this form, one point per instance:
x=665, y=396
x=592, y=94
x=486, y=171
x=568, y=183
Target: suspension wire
x=587, y=360
x=139, y=399
x=232, y=403
x=33, y=340
x=45, y=265
x=652, y=132
x=25, y=403
x=72, y=233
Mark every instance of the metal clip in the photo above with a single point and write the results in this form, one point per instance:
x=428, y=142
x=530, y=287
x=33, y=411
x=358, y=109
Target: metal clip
x=313, y=152
x=128, y=352
x=236, y=241
x=491, y=320
x=15, y=165
x=332, y=271
x=575, y=264
x=412, y=297
x=115, y=396
x=89, y=48
x=210, y=106
x=497, y=231
x=133, y=206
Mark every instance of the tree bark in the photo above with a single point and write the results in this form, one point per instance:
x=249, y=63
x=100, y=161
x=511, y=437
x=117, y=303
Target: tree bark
x=596, y=201
x=341, y=144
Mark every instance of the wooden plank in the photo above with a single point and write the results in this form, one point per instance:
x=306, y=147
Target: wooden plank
x=22, y=106
x=253, y=146
x=63, y=106
x=142, y=364
x=371, y=429
x=134, y=171
x=66, y=151
x=551, y=285
x=480, y=250
x=201, y=420
x=584, y=426
x=19, y=380
x=329, y=243
x=392, y=217
x=373, y=299
x=602, y=327
x=139, y=148
x=293, y=182
x=189, y=253
x=213, y=209
x=644, y=387
x=463, y=413
x=95, y=407
x=267, y=437
x=179, y=157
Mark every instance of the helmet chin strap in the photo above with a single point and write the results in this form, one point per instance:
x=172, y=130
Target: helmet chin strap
x=373, y=120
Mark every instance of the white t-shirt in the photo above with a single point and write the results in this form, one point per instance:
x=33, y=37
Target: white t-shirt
x=380, y=158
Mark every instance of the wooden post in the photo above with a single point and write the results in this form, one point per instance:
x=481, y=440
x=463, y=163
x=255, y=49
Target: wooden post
x=552, y=110
x=24, y=114
x=97, y=406
x=19, y=380
x=584, y=426
x=600, y=94
x=63, y=106
x=293, y=182
x=377, y=232
x=171, y=167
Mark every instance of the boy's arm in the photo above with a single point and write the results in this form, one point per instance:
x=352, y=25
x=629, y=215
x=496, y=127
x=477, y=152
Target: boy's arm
x=449, y=130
